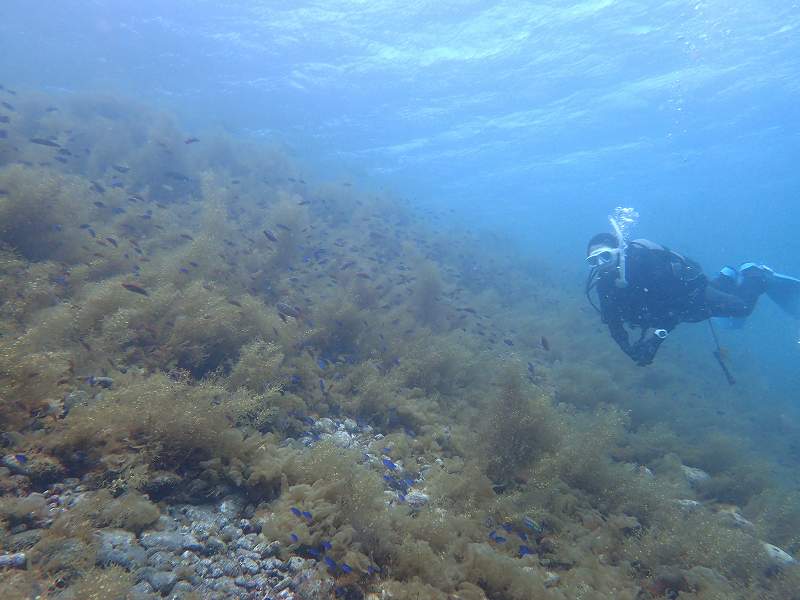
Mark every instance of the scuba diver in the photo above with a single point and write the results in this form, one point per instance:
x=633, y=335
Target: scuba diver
x=652, y=288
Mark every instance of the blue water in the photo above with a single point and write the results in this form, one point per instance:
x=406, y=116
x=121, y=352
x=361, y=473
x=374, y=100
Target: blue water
x=529, y=119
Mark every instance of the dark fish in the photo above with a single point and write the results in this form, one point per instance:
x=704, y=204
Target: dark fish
x=282, y=226
x=92, y=232
x=118, y=210
x=322, y=385
x=99, y=204
x=307, y=515
x=51, y=109
x=524, y=551
x=184, y=270
x=191, y=140
x=120, y=168
x=294, y=538
x=194, y=264
x=545, y=344
x=8, y=106
x=4, y=119
x=136, y=289
x=508, y=342
x=112, y=241
x=389, y=464
x=3, y=134
x=98, y=188
x=44, y=142
x=234, y=302
x=269, y=235
x=186, y=236
x=301, y=203
x=65, y=152
x=363, y=275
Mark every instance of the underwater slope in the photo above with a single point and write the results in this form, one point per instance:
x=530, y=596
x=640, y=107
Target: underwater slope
x=220, y=376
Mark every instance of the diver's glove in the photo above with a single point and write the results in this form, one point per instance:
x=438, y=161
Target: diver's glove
x=644, y=351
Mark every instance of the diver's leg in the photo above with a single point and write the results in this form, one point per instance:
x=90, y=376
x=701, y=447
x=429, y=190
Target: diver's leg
x=734, y=293
x=722, y=304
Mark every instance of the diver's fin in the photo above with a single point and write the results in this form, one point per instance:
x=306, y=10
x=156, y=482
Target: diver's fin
x=785, y=292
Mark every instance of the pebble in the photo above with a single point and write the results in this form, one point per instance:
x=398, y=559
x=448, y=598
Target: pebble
x=17, y=560
x=161, y=581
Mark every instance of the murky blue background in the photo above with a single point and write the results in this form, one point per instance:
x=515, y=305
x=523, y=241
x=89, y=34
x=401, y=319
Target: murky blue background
x=532, y=119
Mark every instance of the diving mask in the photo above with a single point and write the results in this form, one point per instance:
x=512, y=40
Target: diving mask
x=602, y=257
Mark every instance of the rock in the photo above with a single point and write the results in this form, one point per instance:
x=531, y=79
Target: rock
x=141, y=591
x=161, y=581
x=313, y=584
x=75, y=398
x=229, y=533
x=417, y=499
x=341, y=439
x=171, y=541
x=296, y=564
x=17, y=464
x=324, y=425
x=688, y=504
x=694, y=475
x=249, y=565
x=24, y=540
x=163, y=561
x=214, y=545
x=119, y=547
x=273, y=565
x=551, y=579
x=229, y=567
x=283, y=584
x=350, y=425
x=161, y=484
x=231, y=508
x=778, y=557
x=247, y=542
x=732, y=517
x=18, y=560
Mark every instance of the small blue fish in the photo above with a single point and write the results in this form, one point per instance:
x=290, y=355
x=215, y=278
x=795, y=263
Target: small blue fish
x=296, y=380
x=389, y=464
x=321, y=363
x=524, y=551
x=326, y=545
x=492, y=534
x=313, y=552
x=295, y=511
x=21, y=458
x=499, y=539
x=508, y=527
x=330, y=562
x=389, y=479
x=386, y=450
x=307, y=515
x=372, y=569
x=294, y=538
x=183, y=270
x=522, y=535
x=321, y=385
x=347, y=568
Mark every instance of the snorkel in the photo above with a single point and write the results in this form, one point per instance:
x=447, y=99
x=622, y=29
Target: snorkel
x=622, y=281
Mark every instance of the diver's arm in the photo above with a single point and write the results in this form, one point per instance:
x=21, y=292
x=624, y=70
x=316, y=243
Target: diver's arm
x=620, y=335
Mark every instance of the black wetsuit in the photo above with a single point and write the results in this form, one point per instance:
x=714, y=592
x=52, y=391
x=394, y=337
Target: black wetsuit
x=664, y=289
